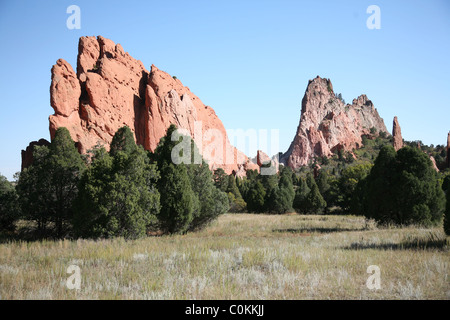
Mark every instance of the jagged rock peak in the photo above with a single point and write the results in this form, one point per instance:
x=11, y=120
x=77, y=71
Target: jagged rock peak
x=328, y=124
x=111, y=89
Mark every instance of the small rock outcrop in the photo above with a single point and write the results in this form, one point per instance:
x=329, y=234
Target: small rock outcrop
x=262, y=159
x=327, y=124
x=433, y=161
x=397, y=135
x=27, y=154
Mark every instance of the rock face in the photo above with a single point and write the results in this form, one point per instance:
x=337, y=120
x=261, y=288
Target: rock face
x=433, y=162
x=327, y=124
x=397, y=135
x=262, y=158
x=27, y=154
x=111, y=89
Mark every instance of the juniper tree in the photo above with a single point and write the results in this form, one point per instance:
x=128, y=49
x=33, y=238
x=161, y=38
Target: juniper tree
x=118, y=194
x=49, y=186
x=403, y=188
x=9, y=209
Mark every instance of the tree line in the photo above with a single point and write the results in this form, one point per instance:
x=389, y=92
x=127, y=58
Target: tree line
x=130, y=192
x=126, y=192
x=399, y=188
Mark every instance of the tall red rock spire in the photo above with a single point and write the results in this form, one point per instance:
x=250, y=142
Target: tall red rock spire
x=397, y=135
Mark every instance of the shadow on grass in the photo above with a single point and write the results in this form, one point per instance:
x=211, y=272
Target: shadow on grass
x=406, y=245
x=317, y=230
x=25, y=235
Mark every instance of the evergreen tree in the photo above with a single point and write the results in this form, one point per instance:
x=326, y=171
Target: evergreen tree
x=269, y=183
x=232, y=187
x=348, y=183
x=220, y=179
x=314, y=201
x=447, y=214
x=48, y=187
x=123, y=140
x=301, y=194
x=118, y=194
x=179, y=203
x=212, y=201
x=255, y=197
x=379, y=203
x=403, y=188
x=322, y=182
x=282, y=197
x=9, y=210
x=418, y=194
x=237, y=203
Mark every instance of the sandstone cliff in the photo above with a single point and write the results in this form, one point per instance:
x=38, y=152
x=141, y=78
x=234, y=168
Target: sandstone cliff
x=111, y=89
x=327, y=124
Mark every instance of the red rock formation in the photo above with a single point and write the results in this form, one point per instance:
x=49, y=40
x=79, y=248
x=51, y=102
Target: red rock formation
x=27, y=154
x=111, y=89
x=397, y=135
x=263, y=159
x=327, y=124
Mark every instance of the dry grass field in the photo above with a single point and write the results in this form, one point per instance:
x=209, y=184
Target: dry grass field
x=240, y=256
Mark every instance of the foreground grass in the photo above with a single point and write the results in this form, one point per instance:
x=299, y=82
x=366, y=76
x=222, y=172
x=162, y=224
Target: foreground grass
x=238, y=257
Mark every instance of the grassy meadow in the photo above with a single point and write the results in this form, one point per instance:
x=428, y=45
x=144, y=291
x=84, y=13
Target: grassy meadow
x=239, y=256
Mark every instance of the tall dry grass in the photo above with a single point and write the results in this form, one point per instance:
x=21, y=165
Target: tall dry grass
x=240, y=256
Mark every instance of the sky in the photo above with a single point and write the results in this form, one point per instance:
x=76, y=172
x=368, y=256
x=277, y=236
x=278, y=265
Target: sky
x=250, y=60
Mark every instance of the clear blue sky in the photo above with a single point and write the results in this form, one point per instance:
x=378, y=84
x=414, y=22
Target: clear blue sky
x=249, y=59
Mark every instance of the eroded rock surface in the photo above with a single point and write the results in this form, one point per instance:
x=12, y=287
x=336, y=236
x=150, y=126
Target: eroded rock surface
x=328, y=125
